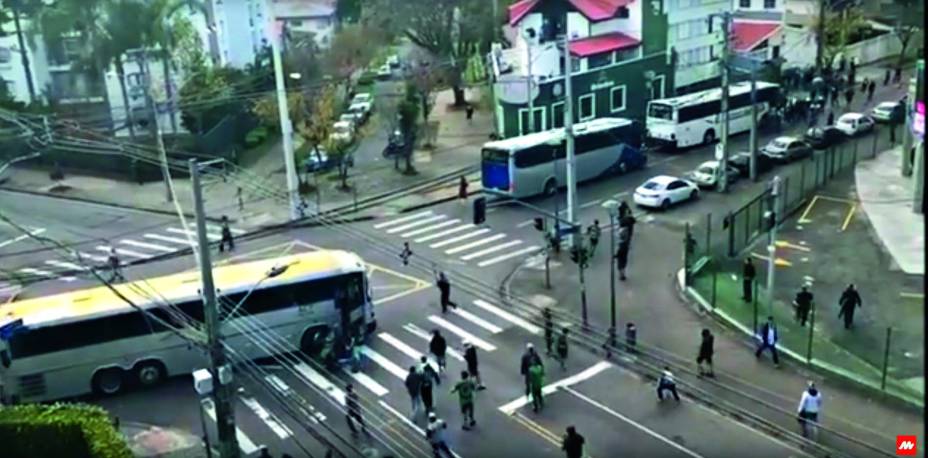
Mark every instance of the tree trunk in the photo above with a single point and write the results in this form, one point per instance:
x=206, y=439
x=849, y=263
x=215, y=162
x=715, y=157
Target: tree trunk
x=121, y=75
x=459, y=100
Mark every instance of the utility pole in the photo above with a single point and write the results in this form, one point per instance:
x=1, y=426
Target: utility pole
x=753, y=140
x=219, y=368
x=726, y=34
x=286, y=127
x=569, y=132
x=820, y=38
x=529, y=85
x=23, y=51
x=772, y=246
x=153, y=120
x=613, y=208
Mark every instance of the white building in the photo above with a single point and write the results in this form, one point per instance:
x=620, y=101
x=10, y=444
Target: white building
x=695, y=41
x=12, y=70
x=308, y=16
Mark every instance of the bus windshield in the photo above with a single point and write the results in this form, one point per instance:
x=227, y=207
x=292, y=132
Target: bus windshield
x=660, y=111
x=495, y=155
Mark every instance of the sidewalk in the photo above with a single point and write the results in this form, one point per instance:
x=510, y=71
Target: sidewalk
x=154, y=441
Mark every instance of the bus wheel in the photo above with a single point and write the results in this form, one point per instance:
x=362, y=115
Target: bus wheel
x=551, y=187
x=149, y=373
x=108, y=381
x=622, y=167
x=709, y=137
x=313, y=341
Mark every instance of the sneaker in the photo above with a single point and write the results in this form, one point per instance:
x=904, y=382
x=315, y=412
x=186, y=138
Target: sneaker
x=481, y=388
x=465, y=427
x=473, y=423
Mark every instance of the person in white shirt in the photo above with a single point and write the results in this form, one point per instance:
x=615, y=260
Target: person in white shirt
x=810, y=405
x=667, y=383
x=435, y=433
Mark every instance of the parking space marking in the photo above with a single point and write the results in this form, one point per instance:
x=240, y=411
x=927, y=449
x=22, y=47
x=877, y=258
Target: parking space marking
x=847, y=219
x=785, y=244
x=780, y=262
x=802, y=218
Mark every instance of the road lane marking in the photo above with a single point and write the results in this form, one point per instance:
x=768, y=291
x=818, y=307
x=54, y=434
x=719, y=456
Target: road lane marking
x=802, y=218
x=564, y=383
x=420, y=333
x=538, y=430
x=13, y=240
x=430, y=228
x=367, y=381
x=527, y=222
x=40, y=272
x=124, y=251
x=474, y=244
x=415, y=224
x=633, y=423
x=491, y=249
x=850, y=215
x=591, y=203
x=785, y=244
x=620, y=194
x=454, y=329
x=65, y=265
x=285, y=390
x=269, y=419
x=477, y=320
x=244, y=442
x=92, y=257
x=408, y=422
x=383, y=362
x=406, y=349
x=506, y=256
x=779, y=261
x=234, y=231
x=459, y=238
x=535, y=330
x=150, y=246
x=403, y=219
x=460, y=228
x=165, y=238
x=175, y=230
x=321, y=382
x=912, y=295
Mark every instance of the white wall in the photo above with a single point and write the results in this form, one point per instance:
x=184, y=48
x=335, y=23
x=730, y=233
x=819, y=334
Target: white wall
x=577, y=25
x=13, y=71
x=240, y=26
x=682, y=11
x=630, y=26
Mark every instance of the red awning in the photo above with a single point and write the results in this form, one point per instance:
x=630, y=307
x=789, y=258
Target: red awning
x=594, y=10
x=519, y=9
x=602, y=43
x=747, y=35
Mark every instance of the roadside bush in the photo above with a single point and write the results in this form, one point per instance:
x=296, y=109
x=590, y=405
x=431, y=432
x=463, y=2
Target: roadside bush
x=256, y=136
x=59, y=430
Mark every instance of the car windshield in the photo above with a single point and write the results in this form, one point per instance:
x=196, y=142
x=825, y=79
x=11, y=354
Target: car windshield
x=706, y=169
x=780, y=143
x=653, y=185
x=660, y=111
x=342, y=129
x=495, y=155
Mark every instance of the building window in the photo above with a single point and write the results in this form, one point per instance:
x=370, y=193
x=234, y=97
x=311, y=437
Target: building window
x=617, y=99
x=574, y=64
x=626, y=54
x=587, y=105
x=295, y=23
x=622, y=13
x=657, y=87
x=599, y=60
x=557, y=115
x=776, y=53
x=5, y=55
x=770, y=4
x=539, y=121
x=744, y=3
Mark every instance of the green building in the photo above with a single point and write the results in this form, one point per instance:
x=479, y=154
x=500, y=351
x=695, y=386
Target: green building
x=619, y=61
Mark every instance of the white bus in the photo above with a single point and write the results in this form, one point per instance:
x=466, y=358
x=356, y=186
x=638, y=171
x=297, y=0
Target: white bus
x=90, y=340
x=536, y=163
x=694, y=119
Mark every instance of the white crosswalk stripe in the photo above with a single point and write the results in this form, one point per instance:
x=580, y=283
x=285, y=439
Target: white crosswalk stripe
x=165, y=238
x=92, y=257
x=45, y=273
x=420, y=333
x=477, y=243
x=487, y=251
x=402, y=220
x=383, y=362
x=234, y=231
x=477, y=320
x=430, y=228
x=506, y=256
x=454, y=329
x=244, y=442
x=323, y=383
x=269, y=419
x=405, y=349
x=507, y=316
x=150, y=246
x=65, y=265
x=455, y=230
x=416, y=224
x=367, y=382
x=459, y=238
x=284, y=389
x=123, y=251
x=193, y=233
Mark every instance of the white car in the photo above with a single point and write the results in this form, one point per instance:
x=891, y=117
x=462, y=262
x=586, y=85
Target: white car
x=707, y=174
x=352, y=119
x=343, y=131
x=888, y=112
x=363, y=97
x=663, y=191
x=854, y=124
x=786, y=149
x=393, y=61
x=360, y=111
x=384, y=72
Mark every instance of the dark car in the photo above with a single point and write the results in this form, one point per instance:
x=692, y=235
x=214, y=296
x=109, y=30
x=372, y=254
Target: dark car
x=824, y=137
x=742, y=163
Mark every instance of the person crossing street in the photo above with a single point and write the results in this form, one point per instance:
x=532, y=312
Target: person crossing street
x=439, y=347
x=226, y=240
x=429, y=378
x=536, y=382
x=406, y=253
x=562, y=348
x=353, y=409
x=413, y=387
x=470, y=356
x=115, y=266
x=549, y=331
x=594, y=232
x=850, y=300
x=666, y=382
x=810, y=404
x=572, y=444
x=529, y=358
x=465, y=390
x=444, y=287
x=706, y=351
x=435, y=433
x=803, y=304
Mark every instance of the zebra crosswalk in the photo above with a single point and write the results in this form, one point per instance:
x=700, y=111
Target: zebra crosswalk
x=460, y=240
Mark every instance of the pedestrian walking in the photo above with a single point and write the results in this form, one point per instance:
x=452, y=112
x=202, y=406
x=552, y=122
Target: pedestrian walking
x=226, y=240
x=850, y=300
x=438, y=347
x=621, y=257
x=666, y=382
x=549, y=331
x=864, y=84
x=803, y=304
x=748, y=274
x=435, y=433
x=628, y=222
x=886, y=77
x=444, y=287
x=115, y=266
x=462, y=189
x=406, y=253
x=414, y=387
x=768, y=340
x=353, y=409
x=241, y=201
x=572, y=444
x=470, y=357
x=465, y=390
x=706, y=350
x=356, y=345
x=469, y=110
x=849, y=96
x=536, y=382
x=593, y=232
x=631, y=337
x=871, y=87
x=529, y=358
x=810, y=404
x=624, y=209
x=831, y=118
x=428, y=379
x=562, y=348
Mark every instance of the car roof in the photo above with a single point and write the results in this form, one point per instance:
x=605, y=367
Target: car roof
x=888, y=104
x=851, y=116
x=708, y=164
x=342, y=124
x=786, y=139
x=663, y=179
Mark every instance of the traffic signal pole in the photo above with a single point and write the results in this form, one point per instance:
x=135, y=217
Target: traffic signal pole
x=569, y=133
x=772, y=247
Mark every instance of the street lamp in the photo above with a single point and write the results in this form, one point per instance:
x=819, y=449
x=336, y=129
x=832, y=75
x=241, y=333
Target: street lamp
x=612, y=207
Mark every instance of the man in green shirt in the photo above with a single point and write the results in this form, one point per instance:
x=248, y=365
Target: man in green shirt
x=465, y=390
x=536, y=377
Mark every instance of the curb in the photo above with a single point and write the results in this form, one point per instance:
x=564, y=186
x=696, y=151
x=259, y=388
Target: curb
x=692, y=297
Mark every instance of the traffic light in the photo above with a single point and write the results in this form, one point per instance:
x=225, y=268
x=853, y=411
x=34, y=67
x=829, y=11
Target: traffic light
x=480, y=210
x=540, y=224
x=575, y=254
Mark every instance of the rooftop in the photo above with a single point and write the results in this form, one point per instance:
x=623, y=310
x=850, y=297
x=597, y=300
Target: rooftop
x=746, y=35
x=602, y=43
x=594, y=10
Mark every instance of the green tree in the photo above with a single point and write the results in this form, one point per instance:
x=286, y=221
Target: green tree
x=840, y=28
x=907, y=17
x=351, y=50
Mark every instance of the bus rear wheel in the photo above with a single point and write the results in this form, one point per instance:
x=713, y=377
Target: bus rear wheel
x=709, y=137
x=550, y=187
x=149, y=373
x=108, y=381
x=313, y=341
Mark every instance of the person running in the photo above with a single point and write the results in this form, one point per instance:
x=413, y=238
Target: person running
x=429, y=379
x=470, y=356
x=435, y=433
x=462, y=189
x=850, y=300
x=810, y=404
x=562, y=348
x=549, y=330
x=572, y=444
x=666, y=382
x=529, y=358
x=414, y=388
x=768, y=340
x=439, y=347
x=803, y=304
x=356, y=347
x=465, y=390
x=706, y=350
x=594, y=232
x=115, y=266
x=444, y=287
x=536, y=382
x=226, y=240
x=353, y=409
x=406, y=253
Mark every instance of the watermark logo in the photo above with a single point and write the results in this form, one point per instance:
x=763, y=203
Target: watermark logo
x=906, y=446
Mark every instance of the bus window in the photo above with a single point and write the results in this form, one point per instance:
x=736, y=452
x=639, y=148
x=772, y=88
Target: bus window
x=495, y=155
x=660, y=111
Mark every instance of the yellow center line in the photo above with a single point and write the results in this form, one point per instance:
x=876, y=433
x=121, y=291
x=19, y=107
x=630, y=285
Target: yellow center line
x=535, y=428
x=850, y=214
x=802, y=219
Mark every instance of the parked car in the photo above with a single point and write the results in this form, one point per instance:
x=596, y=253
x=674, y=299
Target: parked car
x=360, y=111
x=343, y=131
x=663, y=191
x=787, y=149
x=363, y=97
x=384, y=72
x=888, y=112
x=707, y=174
x=316, y=161
x=393, y=61
x=854, y=124
x=824, y=137
x=350, y=118
x=742, y=163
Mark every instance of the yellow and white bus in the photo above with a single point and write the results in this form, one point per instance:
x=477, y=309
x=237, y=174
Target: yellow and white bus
x=90, y=340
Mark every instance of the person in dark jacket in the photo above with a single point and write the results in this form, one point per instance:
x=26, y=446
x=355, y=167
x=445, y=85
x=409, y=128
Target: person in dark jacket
x=831, y=118
x=573, y=443
x=666, y=382
x=850, y=299
x=439, y=347
x=621, y=255
x=624, y=210
x=803, y=303
x=748, y=274
x=871, y=87
x=444, y=287
x=470, y=357
x=528, y=358
x=353, y=409
x=462, y=188
x=406, y=253
x=414, y=387
x=428, y=380
x=706, y=350
x=549, y=330
x=849, y=96
x=562, y=348
x=227, y=240
x=768, y=340
x=886, y=78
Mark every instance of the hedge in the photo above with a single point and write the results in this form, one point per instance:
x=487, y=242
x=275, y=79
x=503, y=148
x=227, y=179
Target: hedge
x=59, y=430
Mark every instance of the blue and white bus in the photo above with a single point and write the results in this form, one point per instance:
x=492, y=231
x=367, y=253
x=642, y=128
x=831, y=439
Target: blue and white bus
x=536, y=163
